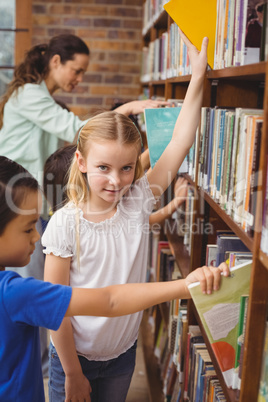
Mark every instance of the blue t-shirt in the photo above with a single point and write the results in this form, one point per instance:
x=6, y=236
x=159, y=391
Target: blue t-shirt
x=25, y=305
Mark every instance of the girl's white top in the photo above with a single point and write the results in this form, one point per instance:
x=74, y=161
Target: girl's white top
x=114, y=251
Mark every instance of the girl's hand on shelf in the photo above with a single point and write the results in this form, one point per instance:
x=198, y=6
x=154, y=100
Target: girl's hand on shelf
x=198, y=59
x=209, y=277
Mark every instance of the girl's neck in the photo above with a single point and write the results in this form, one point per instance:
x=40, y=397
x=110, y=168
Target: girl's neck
x=97, y=215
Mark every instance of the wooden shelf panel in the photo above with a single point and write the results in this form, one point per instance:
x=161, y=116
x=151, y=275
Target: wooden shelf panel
x=155, y=385
x=264, y=259
x=237, y=229
x=248, y=72
x=180, y=253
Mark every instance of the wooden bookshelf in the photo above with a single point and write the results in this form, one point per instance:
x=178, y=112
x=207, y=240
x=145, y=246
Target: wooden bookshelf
x=242, y=86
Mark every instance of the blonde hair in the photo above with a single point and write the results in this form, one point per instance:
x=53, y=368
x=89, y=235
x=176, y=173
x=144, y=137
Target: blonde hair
x=106, y=126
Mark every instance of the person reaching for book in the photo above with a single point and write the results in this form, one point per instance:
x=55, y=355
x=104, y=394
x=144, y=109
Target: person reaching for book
x=28, y=303
x=100, y=238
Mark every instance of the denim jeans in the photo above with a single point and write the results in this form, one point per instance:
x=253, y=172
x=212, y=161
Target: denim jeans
x=109, y=379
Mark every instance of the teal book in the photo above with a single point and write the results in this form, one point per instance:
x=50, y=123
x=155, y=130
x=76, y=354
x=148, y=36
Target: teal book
x=160, y=123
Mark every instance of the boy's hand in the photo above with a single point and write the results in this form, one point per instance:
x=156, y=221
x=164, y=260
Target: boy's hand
x=209, y=277
x=198, y=59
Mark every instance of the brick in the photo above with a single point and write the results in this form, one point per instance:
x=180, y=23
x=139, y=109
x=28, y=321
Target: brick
x=92, y=33
x=124, y=35
x=106, y=23
x=132, y=24
x=61, y=9
x=105, y=67
x=95, y=78
x=77, y=22
x=89, y=101
x=105, y=45
x=125, y=12
x=104, y=90
x=39, y=9
x=46, y=20
x=118, y=79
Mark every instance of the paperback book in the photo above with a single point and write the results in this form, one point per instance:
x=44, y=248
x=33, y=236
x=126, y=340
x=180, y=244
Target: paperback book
x=219, y=313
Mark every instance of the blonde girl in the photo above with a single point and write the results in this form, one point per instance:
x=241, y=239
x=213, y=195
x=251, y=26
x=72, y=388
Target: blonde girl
x=101, y=238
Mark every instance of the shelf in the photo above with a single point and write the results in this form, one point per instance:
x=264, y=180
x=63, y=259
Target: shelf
x=249, y=72
x=155, y=385
x=263, y=259
x=237, y=229
x=180, y=253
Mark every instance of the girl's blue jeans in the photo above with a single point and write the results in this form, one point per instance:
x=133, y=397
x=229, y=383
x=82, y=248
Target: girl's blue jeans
x=109, y=379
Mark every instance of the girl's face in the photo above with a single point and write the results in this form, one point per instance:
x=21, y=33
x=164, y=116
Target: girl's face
x=110, y=169
x=67, y=76
x=17, y=243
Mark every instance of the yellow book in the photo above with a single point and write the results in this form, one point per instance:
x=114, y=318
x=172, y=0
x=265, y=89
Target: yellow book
x=196, y=19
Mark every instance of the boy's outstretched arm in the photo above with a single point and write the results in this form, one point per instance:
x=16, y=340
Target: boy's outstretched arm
x=129, y=298
x=184, y=132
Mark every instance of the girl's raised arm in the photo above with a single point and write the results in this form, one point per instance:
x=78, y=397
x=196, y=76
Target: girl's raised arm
x=184, y=132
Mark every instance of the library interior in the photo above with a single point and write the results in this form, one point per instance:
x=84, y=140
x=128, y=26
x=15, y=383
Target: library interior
x=206, y=348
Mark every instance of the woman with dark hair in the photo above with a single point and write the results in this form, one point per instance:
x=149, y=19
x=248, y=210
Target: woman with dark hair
x=31, y=122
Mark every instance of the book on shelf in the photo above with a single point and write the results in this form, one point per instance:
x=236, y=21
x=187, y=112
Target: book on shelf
x=228, y=242
x=196, y=19
x=211, y=255
x=219, y=314
x=264, y=233
x=160, y=123
x=240, y=341
x=263, y=388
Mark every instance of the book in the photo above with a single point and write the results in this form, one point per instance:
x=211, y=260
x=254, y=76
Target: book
x=219, y=314
x=240, y=338
x=160, y=123
x=211, y=255
x=263, y=389
x=196, y=19
x=228, y=242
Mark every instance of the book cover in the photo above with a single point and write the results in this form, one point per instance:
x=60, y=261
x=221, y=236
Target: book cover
x=219, y=313
x=160, y=123
x=228, y=243
x=196, y=19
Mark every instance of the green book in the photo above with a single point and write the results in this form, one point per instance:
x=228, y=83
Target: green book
x=219, y=313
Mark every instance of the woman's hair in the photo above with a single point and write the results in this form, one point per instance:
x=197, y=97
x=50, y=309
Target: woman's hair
x=35, y=66
x=15, y=183
x=106, y=126
x=55, y=176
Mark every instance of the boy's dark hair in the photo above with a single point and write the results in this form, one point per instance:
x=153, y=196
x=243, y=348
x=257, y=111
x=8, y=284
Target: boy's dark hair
x=55, y=176
x=15, y=181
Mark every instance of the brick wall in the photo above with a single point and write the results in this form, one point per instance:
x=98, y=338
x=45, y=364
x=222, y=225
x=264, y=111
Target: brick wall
x=112, y=31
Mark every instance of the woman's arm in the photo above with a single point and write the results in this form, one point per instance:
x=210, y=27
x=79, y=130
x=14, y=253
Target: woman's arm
x=129, y=298
x=184, y=132
x=57, y=270
x=138, y=106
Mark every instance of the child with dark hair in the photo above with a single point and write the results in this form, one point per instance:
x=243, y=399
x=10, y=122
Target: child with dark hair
x=55, y=176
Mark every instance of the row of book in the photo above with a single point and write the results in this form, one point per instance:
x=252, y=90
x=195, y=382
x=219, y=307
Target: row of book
x=241, y=37
x=228, y=160
x=240, y=33
x=226, y=152
x=165, y=57
x=151, y=12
